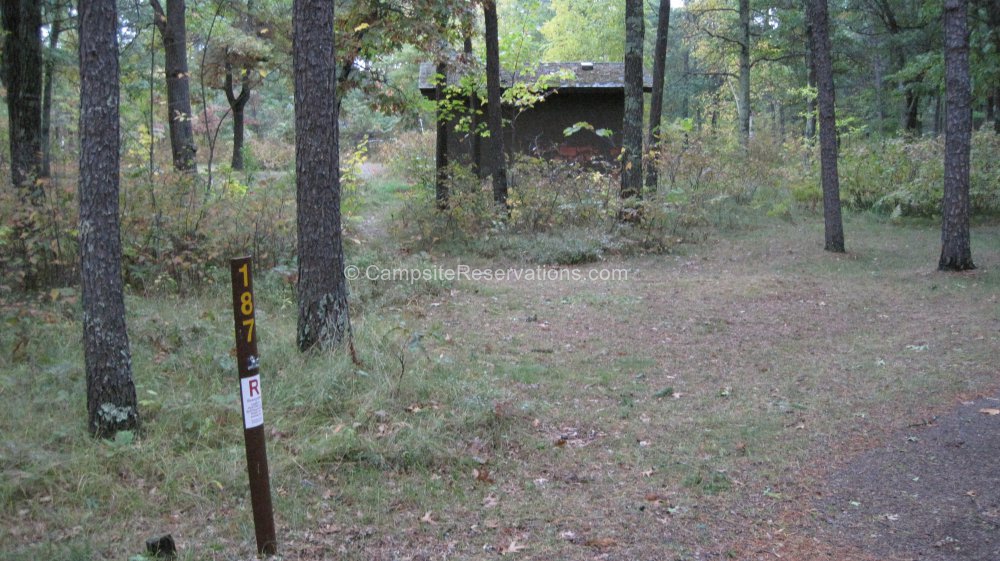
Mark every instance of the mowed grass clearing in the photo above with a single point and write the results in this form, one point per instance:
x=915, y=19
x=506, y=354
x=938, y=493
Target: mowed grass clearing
x=686, y=413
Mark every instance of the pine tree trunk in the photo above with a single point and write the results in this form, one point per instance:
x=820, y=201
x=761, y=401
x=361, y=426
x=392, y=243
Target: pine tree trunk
x=996, y=111
x=324, y=321
x=656, y=102
x=631, y=186
x=173, y=29
x=912, y=116
x=55, y=30
x=475, y=142
x=956, y=249
x=111, y=398
x=239, y=135
x=493, y=106
x=810, y=130
x=744, y=93
x=22, y=75
x=237, y=104
x=441, y=144
x=834, y=227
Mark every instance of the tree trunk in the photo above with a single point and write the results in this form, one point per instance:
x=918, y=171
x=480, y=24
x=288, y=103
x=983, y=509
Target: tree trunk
x=238, y=138
x=324, y=320
x=475, y=142
x=656, y=102
x=938, y=114
x=686, y=102
x=631, y=179
x=111, y=399
x=834, y=227
x=993, y=17
x=22, y=75
x=441, y=145
x=173, y=29
x=912, y=117
x=996, y=111
x=493, y=107
x=956, y=250
x=237, y=104
x=744, y=93
x=810, y=131
x=55, y=30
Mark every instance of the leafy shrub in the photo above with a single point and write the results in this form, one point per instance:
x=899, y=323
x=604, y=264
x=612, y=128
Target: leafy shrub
x=905, y=177
x=38, y=242
x=410, y=155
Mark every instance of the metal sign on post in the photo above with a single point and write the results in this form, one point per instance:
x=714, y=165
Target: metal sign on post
x=248, y=362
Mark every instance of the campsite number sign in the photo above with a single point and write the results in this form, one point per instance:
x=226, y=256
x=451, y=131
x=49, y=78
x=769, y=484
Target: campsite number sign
x=248, y=362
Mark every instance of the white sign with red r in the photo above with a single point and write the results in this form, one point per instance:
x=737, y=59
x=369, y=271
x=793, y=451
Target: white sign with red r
x=253, y=409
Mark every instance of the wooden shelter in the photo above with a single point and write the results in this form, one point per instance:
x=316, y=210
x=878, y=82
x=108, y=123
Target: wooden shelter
x=575, y=92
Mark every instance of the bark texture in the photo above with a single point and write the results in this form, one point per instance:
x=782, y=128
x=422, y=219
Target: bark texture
x=441, y=146
x=834, y=226
x=237, y=105
x=810, y=128
x=111, y=399
x=656, y=102
x=632, y=122
x=173, y=29
x=744, y=93
x=494, y=116
x=55, y=30
x=22, y=76
x=956, y=245
x=475, y=147
x=323, y=321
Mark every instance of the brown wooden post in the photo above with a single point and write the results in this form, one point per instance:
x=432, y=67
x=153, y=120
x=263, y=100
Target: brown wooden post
x=248, y=362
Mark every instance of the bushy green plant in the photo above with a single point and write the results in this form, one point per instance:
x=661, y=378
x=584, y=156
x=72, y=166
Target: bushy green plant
x=905, y=177
x=411, y=155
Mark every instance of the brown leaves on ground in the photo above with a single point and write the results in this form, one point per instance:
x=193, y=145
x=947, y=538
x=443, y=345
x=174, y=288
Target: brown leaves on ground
x=512, y=547
x=600, y=543
x=482, y=475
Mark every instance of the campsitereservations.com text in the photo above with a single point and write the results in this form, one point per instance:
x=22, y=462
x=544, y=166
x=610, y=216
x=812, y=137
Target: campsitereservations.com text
x=476, y=274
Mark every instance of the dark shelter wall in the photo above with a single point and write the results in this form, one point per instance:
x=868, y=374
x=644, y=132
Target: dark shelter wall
x=539, y=131
x=591, y=93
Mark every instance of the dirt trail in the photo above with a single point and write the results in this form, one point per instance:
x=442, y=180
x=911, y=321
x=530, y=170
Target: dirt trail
x=819, y=349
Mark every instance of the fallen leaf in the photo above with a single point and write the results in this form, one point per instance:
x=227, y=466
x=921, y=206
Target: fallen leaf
x=648, y=472
x=482, y=475
x=428, y=518
x=514, y=547
x=490, y=501
x=990, y=411
x=600, y=543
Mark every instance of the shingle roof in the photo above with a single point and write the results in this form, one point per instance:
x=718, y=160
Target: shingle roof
x=602, y=76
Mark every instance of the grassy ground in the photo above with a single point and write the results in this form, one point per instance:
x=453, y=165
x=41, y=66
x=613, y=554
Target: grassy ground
x=689, y=412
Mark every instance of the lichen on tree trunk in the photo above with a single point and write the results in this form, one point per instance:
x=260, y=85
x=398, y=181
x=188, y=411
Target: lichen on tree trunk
x=956, y=250
x=324, y=320
x=111, y=398
x=631, y=179
x=833, y=222
x=173, y=29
